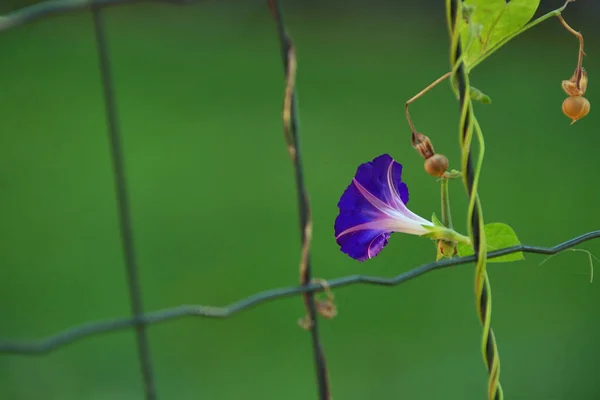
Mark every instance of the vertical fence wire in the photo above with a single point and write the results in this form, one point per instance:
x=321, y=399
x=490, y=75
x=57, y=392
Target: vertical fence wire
x=125, y=225
x=292, y=134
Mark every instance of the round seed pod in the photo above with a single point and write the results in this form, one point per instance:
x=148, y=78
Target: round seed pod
x=576, y=107
x=436, y=165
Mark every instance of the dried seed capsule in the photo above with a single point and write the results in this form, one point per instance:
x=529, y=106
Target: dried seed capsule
x=576, y=107
x=436, y=165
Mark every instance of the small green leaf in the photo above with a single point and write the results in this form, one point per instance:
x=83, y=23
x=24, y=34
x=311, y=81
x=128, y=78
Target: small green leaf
x=436, y=221
x=498, y=236
x=479, y=96
x=490, y=21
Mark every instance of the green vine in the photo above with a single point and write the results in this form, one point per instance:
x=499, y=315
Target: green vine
x=477, y=29
x=468, y=124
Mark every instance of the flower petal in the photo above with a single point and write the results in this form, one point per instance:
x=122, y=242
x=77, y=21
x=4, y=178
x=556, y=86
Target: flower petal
x=369, y=199
x=382, y=177
x=372, y=207
x=363, y=245
x=355, y=210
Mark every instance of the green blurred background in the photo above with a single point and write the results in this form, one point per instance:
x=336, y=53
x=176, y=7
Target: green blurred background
x=199, y=93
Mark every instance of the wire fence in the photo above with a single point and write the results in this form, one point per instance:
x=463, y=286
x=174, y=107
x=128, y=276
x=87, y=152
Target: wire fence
x=308, y=287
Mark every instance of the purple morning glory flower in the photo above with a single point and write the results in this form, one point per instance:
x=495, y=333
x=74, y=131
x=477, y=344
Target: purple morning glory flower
x=372, y=207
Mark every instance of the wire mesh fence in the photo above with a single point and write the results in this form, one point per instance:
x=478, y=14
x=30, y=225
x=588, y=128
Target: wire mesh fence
x=307, y=287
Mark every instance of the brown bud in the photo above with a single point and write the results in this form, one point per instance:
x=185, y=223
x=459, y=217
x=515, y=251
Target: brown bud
x=583, y=81
x=436, y=165
x=576, y=107
x=577, y=85
x=422, y=144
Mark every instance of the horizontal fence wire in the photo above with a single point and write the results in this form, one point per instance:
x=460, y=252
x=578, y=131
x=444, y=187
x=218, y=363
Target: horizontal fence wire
x=140, y=320
x=54, y=7
x=34, y=347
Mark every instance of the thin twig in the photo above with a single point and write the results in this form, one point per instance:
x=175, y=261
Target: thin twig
x=590, y=256
x=421, y=93
x=48, y=8
x=579, y=37
x=125, y=226
x=77, y=333
x=292, y=134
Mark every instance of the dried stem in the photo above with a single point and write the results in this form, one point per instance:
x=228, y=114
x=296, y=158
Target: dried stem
x=579, y=37
x=292, y=135
x=290, y=82
x=421, y=93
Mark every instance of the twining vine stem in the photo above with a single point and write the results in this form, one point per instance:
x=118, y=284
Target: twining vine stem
x=468, y=124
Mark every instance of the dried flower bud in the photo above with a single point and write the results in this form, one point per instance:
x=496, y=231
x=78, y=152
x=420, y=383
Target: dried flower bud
x=577, y=85
x=422, y=144
x=583, y=81
x=576, y=107
x=436, y=165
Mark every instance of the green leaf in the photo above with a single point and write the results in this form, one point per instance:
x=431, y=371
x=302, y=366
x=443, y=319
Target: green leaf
x=498, y=236
x=490, y=21
x=478, y=95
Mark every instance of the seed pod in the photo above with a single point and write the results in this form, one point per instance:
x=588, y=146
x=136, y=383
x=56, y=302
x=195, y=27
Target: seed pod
x=436, y=165
x=576, y=107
